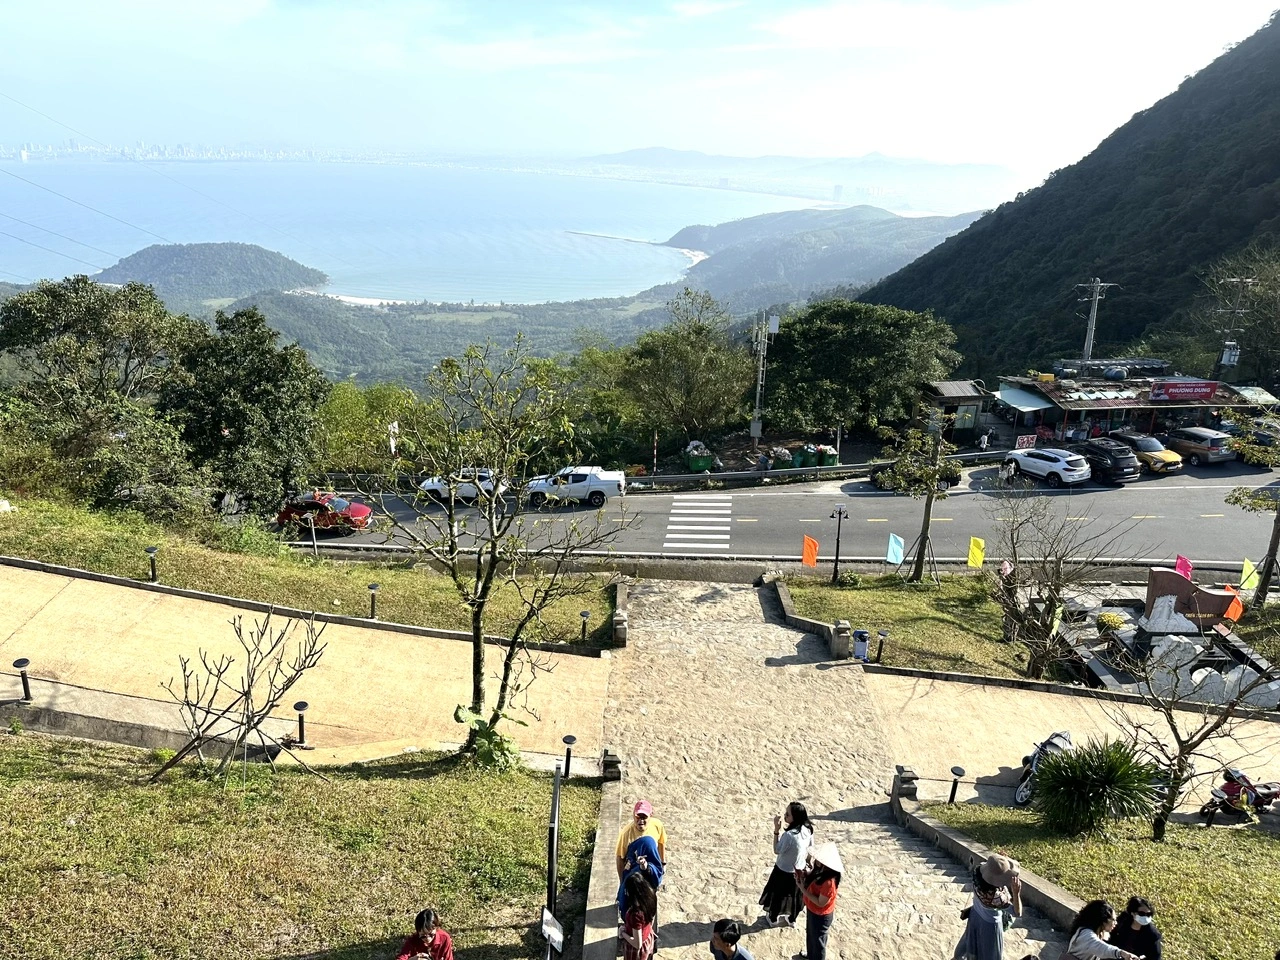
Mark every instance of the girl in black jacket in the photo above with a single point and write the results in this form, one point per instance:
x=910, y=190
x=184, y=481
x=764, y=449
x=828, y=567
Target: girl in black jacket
x=1136, y=930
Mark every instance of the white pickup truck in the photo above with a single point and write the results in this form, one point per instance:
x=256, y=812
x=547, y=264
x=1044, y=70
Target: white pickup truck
x=592, y=485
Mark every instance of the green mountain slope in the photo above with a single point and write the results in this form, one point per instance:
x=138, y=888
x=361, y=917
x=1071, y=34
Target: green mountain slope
x=186, y=273
x=1192, y=178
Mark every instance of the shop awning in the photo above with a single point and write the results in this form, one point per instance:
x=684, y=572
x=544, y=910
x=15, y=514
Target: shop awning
x=1023, y=400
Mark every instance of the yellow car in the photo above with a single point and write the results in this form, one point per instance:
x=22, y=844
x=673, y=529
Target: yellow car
x=1151, y=453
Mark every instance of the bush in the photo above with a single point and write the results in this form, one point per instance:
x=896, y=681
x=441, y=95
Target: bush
x=1077, y=791
x=1110, y=622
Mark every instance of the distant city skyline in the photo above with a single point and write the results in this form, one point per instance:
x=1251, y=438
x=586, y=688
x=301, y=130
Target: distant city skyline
x=1017, y=83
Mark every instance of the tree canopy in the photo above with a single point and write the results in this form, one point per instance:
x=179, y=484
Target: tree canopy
x=843, y=362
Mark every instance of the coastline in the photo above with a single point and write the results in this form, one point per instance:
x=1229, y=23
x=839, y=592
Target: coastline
x=695, y=256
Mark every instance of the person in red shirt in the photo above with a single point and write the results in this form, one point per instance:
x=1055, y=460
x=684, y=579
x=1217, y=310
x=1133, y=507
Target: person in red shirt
x=428, y=942
x=818, y=887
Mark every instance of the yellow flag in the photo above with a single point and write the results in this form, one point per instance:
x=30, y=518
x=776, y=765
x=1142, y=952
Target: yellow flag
x=1248, y=576
x=977, y=551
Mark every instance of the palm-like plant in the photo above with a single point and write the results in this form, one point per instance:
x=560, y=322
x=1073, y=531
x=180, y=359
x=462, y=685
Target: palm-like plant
x=1079, y=790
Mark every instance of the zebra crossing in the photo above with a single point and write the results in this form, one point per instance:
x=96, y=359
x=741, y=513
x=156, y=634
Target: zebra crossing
x=699, y=521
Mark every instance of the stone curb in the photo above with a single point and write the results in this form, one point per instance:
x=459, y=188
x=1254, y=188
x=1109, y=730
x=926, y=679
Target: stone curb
x=1058, y=905
x=600, y=921
x=620, y=619
x=292, y=613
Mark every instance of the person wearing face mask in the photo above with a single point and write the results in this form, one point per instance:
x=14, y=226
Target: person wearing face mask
x=1090, y=933
x=1136, y=930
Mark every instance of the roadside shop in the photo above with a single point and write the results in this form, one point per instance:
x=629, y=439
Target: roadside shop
x=1073, y=409
x=960, y=400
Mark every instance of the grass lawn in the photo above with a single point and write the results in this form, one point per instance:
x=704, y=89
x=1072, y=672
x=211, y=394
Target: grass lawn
x=1216, y=892
x=97, y=865
x=1262, y=631
x=114, y=543
x=953, y=626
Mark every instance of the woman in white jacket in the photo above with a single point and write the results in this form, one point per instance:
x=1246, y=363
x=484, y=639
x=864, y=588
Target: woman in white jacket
x=781, y=896
x=1089, y=933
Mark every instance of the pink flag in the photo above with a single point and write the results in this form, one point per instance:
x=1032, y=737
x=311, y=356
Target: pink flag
x=1182, y=566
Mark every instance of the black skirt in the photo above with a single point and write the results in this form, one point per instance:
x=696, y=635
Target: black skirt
x=781, y=895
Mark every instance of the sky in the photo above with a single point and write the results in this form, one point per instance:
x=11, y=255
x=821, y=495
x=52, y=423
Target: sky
x=1027, y=84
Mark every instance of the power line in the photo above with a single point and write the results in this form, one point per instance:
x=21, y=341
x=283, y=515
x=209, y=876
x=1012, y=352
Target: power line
x=62, y=235
x=133, y=226
x=185, y=186
x=38, y=246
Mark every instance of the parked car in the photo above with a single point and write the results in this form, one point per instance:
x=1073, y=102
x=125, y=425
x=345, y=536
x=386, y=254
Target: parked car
x=1200, y=445
x=948, y=475
x=1051, y=464
x=468, y=485
x=592, y=485
x=1262, y=432
x=1110, y=461
x=325, y=511
x=1152, y=455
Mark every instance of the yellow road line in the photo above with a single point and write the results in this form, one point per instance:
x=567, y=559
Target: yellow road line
x=808, y=521
x=1144, y=517
x=877, y=519
x=944, y=519
x=747, y=519
x=1213, y=514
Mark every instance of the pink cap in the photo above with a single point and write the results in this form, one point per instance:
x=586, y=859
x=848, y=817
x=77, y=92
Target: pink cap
x=642, y=807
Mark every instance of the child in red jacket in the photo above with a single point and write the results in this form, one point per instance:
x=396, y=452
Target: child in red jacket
x=428, y=942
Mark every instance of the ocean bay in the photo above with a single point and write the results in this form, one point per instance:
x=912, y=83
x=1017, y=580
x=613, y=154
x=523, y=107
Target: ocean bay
x=396, y=231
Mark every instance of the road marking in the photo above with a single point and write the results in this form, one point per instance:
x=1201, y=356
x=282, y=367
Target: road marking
x=747, y=519
x=698, y=546
x=1213, y=514
x=808, y=521
x=1145, y=516
x=702, y=503
x=696, y=526
x=705, y=511
x=944, y=519
x=877, y=519
x=1077, y=519
x=697, y=536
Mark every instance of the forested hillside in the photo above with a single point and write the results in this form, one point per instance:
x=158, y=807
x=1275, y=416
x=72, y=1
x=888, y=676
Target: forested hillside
x=185, y=274
x=786, y=256
x=1192, y=178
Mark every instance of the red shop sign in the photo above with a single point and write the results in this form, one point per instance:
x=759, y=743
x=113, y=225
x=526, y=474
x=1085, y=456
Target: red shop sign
x=1184, y=389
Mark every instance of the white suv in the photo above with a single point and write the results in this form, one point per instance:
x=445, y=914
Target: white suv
x=468, y=485
x=594, y=485
x=1051, y=464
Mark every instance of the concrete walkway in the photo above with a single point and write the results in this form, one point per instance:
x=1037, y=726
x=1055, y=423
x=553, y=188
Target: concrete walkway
x=722, y=715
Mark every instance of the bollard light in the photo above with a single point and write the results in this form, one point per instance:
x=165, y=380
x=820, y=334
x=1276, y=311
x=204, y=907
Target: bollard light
x=585, y=615
x=301, y=707
x=373, y=600
x=21, y=665
x=957, y=773
x=151, y=556
x=883, y=636
x=568, y=742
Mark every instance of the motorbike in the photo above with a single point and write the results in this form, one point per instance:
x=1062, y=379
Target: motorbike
x=1239, y=796
x=1059, y=742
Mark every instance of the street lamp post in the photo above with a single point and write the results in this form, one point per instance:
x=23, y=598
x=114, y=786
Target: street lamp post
x=838, y=515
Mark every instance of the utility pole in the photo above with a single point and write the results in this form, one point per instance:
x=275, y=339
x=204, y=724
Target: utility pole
x=761, y=332
x=1095, y=290
x=1229, y=354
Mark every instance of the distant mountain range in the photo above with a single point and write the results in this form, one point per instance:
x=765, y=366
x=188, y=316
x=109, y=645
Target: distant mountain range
x=891, y=182
x=1189, y=180
x=779, y=257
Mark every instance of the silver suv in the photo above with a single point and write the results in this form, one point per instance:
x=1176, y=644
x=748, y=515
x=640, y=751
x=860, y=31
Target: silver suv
x=1200, y=445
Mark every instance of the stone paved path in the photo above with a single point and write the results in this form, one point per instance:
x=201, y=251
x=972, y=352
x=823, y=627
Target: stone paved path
x=722, y=715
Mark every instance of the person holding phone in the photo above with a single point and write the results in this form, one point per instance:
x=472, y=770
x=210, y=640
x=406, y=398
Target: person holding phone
x=792, y=836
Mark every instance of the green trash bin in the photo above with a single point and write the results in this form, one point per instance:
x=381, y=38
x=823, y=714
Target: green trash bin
x=698, y=464
x=830, y=459
x=799, y=458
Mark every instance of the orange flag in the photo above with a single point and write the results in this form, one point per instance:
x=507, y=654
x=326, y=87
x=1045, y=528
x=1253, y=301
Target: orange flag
x=1236, y=609
x=809, y=556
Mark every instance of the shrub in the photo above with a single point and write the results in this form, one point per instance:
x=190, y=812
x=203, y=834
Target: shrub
x=1077, y=791
x=850, y=578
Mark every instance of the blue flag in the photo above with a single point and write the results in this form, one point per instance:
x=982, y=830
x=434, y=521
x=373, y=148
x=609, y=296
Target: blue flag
x=896, y=548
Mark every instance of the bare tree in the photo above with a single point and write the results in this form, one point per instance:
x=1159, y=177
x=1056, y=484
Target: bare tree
x=1257, y=441
x=224, y=709
x=1182, y=720
x=487, y=424
x=1046, y=556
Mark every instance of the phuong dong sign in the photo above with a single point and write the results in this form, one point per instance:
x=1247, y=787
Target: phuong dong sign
x=1184, y=390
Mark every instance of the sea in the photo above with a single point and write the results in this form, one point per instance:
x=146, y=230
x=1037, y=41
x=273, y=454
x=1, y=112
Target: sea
x=380, y=231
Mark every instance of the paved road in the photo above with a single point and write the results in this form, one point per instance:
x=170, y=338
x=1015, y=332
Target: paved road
x=1162, y=516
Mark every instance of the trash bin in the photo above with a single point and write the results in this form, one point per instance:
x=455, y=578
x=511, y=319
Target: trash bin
x=830, y=459
x=860, y=640
x=799, y=458
x=698, y=464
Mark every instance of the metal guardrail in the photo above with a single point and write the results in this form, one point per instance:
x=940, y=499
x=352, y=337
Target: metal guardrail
x=650, y=483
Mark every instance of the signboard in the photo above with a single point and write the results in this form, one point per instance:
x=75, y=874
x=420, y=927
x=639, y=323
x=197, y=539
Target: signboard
x=1025, y=442
x=1184, y=390
x=552, y=930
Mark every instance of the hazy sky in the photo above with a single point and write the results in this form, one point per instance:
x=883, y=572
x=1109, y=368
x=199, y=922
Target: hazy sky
x=1030, y=84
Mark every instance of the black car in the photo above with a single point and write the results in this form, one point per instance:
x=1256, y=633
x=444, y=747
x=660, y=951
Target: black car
x=1110, y=460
